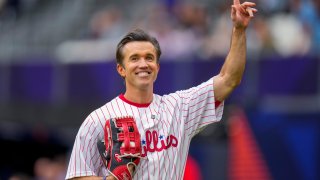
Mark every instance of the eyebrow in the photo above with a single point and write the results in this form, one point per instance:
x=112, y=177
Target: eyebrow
x=135, y=55
x=149, y=54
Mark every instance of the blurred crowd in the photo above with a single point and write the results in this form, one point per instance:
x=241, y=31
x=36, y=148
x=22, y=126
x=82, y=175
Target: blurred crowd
x=194, y=30
x=187, y=30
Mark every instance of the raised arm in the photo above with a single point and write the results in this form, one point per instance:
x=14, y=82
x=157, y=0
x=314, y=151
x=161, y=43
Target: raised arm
x=232, y=70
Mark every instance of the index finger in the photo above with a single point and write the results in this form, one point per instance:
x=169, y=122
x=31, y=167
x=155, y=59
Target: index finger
x=236, y=2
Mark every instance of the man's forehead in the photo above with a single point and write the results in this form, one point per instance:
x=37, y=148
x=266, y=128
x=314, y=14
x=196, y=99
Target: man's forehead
x=139, y=46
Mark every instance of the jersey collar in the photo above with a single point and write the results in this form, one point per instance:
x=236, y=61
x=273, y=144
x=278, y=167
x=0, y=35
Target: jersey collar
x=121, y=96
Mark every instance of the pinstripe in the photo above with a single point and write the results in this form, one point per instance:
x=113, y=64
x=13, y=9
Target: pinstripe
x=156, y=152
x=168, y=131
x=157, y=107
x=154, y=170
x=114, y=111
x=86, y=155
x=143, y=130
x=172, y=115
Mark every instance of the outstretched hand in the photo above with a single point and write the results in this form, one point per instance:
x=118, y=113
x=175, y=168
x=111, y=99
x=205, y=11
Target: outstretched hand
x=241, y=14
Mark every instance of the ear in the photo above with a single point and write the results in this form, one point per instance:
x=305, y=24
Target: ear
x=121, y=70
x=158, y=67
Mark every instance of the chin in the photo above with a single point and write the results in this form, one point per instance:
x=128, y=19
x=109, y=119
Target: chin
x=145, y=85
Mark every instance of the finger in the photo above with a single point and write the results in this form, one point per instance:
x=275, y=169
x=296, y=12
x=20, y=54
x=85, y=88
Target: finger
x=248, y=4
x=131, y=168
x=250, y=12
x=111, y=178
x=242, y=9
x=247, y=9
x=233, y=10
x=236, y=2
x=254, y=10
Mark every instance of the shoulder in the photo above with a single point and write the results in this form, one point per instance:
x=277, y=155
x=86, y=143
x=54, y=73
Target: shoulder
x=99, y=116
x=201, y=88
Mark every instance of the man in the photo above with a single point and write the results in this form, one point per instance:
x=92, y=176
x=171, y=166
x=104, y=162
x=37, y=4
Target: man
x=166, y=123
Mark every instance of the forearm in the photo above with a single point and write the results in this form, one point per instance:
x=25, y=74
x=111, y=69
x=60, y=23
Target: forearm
x=233, y=68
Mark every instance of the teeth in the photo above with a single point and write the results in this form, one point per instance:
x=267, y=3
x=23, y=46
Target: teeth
x=143, y=73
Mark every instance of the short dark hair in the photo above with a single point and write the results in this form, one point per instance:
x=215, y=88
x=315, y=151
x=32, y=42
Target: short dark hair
x=136, y=35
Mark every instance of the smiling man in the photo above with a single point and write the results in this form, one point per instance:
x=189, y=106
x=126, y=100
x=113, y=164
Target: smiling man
x=138, y=64
x=165, y=124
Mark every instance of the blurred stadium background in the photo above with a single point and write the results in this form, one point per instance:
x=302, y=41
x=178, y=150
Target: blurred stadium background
x=57, y=65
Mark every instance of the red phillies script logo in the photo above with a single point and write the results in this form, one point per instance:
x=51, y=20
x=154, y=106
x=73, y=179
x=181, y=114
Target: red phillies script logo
x=152, y=138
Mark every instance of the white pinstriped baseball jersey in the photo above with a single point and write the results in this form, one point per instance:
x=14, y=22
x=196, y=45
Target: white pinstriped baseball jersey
x=166, y=127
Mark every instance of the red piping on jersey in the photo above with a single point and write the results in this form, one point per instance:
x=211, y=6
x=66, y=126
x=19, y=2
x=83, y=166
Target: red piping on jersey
x=217, y=104
x=121, y=96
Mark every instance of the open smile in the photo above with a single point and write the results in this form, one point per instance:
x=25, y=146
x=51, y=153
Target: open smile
x=143, y=73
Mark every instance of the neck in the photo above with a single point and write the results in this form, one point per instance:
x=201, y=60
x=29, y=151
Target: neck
x=138, y=96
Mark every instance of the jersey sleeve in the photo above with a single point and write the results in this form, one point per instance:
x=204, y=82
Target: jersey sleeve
x=199, y=107
x=85, y=159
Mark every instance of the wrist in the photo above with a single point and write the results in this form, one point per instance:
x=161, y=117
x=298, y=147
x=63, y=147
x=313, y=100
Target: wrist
x=239, y=32
x=240, y=29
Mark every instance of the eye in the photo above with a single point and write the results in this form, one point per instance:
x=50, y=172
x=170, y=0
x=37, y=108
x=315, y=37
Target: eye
x=134, y=58
x=149, y=58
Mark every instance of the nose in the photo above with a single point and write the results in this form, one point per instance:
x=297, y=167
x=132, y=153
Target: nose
x=143, y=63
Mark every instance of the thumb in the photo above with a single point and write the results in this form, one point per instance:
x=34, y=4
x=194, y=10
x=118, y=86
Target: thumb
x=131, y=168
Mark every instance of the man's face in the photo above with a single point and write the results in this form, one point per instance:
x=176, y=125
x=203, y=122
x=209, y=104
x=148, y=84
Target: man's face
x=140, y=67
